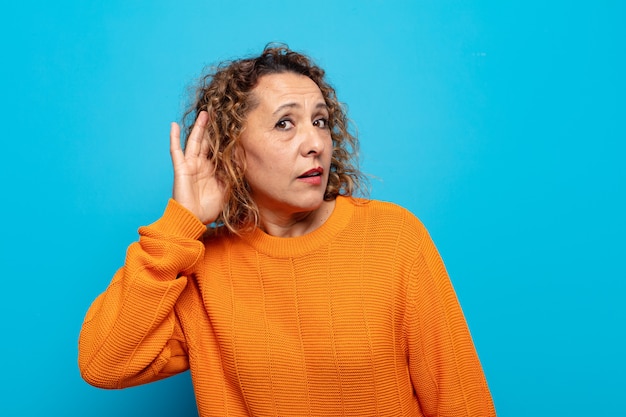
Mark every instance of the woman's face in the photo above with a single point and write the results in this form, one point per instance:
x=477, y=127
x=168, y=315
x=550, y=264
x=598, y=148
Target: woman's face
x=287, y=145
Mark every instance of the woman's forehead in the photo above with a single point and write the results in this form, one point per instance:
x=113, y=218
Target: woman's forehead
x=283, y=87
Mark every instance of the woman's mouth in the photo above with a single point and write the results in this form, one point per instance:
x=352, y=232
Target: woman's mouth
x=312, y=176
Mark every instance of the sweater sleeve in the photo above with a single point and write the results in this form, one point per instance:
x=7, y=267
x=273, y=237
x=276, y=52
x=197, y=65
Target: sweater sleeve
x=444, y=366
x=131, y=334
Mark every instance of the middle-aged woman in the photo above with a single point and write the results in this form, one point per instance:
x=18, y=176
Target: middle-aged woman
x=299, y=299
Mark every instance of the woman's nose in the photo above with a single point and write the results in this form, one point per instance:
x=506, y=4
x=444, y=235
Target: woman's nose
x=314, y=140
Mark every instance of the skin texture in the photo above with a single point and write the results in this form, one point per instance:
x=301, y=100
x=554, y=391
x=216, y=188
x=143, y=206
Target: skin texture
x=285, y=136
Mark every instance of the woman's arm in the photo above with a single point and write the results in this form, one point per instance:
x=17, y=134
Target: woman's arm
x=444, y=366
x=131, y=334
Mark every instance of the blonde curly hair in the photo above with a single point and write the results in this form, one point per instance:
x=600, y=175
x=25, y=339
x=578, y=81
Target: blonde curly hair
x=225, y=93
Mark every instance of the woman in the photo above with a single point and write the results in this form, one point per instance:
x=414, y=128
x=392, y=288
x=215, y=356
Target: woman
x=298, y=299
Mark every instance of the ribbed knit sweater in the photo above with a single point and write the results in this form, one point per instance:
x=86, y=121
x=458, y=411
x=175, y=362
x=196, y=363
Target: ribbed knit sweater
x=357, y=318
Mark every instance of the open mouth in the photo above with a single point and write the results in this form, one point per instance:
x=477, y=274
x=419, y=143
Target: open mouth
x=317, y=172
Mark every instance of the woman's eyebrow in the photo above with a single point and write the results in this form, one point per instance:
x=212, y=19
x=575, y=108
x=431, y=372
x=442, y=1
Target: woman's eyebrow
x=292, y=105
x=321, y=105
x=285, y=106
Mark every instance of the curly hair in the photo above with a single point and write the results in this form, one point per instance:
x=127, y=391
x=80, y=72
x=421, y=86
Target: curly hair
x=225, y=93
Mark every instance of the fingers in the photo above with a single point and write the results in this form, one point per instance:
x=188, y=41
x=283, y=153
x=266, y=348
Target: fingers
x=204, y=146
x=197, y=143
x=175, y=149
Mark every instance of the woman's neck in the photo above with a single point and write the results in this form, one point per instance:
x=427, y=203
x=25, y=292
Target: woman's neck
x=296, y=224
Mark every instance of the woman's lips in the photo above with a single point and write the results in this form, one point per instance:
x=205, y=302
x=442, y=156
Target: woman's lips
x=312, y=176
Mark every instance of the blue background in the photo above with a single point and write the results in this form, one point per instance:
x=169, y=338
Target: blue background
x=500, y=124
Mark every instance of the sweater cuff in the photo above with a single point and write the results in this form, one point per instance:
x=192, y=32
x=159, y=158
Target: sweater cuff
x=178, y=221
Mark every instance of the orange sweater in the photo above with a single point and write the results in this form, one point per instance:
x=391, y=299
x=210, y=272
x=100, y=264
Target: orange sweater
x=356, y=318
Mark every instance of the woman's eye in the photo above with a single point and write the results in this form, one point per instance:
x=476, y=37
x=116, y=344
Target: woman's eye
x=284, y=124
x=321, y=123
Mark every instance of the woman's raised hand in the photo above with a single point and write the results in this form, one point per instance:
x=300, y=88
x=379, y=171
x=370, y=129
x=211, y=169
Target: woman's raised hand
x=195, y=185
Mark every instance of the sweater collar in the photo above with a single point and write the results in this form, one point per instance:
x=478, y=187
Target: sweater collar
x=297, y=246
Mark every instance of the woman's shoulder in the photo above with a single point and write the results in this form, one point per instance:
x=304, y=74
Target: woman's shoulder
x=387, y=213
x=380, y=207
